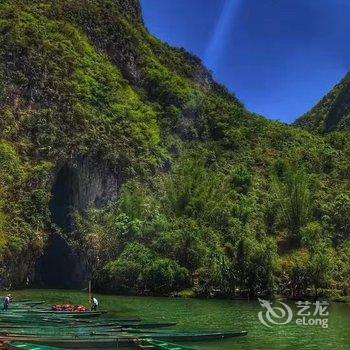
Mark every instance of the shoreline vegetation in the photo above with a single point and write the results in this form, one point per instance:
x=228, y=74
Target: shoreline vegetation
x=328, y=295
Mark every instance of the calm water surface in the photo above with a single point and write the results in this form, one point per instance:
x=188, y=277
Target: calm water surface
x=196, y=314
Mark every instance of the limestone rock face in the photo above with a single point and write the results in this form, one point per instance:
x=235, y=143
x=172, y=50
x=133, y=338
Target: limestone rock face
x=80, y=185
x=131, y=8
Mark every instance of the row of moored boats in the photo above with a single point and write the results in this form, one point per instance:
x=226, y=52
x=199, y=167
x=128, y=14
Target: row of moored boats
x=28, y=325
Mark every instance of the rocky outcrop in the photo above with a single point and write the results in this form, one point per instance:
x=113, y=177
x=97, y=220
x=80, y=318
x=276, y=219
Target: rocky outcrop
x=79, y=185
x=131, y=9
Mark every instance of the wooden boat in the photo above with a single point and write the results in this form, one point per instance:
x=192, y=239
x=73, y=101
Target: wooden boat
x=29, y=303
x=26, y=318
x=64, y=326
x=76, y=333
x=50, y=343
x=46, y=325
x=190, y=336
x=75, y=330
x=43, y=329
x=111, y=320
x=123, y=340
x=162, y=345
x=24, y=306
x=147, y=325
x=21, y=301
x=74, y=314
x=13, y=345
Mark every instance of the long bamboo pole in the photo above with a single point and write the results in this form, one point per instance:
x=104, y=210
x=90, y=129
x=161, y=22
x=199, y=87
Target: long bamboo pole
x=89, y=292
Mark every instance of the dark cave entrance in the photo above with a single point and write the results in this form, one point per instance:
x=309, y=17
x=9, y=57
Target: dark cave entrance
x=57, y=265
x=79, y=185
x=60, y=266
x=62, y=201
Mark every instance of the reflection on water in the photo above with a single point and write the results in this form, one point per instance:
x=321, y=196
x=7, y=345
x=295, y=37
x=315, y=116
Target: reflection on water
x=195, y=314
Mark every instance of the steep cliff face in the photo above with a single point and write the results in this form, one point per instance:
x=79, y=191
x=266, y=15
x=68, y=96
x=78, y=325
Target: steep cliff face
x=131, y=9
x=116, y=28
x=332, y=112
x=55, y=86
x=80, y=185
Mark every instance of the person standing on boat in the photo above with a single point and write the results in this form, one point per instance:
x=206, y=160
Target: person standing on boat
x=7, y=301
x=94, y=304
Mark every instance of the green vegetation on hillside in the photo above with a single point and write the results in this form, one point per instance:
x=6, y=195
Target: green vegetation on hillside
x=332, y=112
x=208, y=189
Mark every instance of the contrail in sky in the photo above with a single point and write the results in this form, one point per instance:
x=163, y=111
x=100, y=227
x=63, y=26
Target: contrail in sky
x=219, y=39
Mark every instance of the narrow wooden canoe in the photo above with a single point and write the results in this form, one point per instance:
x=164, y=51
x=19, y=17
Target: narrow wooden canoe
x=141, y=327
x=48, y=326
x=190, y=336
x=17, y=301
x=74, y=314
x=29, y=303
x=76, y=344
x=111, y=320
x=14, y=345
x=73, y=333
x=162, y=345
x=110, y=341
x=9, y=318
x=147, y=325
x=25, y=306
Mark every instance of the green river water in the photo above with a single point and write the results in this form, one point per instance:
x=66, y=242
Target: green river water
x=199, y=314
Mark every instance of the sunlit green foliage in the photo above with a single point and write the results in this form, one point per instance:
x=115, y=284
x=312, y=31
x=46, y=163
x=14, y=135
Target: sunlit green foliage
x=295, y=199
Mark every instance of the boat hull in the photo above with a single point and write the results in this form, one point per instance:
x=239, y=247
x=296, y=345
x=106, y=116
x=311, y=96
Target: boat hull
x=76, y=344
x=123, y=342
x=65, y=314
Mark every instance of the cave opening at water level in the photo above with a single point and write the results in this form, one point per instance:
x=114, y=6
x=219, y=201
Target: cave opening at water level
x=59, y=266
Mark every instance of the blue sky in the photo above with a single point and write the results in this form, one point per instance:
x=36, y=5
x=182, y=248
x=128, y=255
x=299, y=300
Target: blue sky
x=278, y=56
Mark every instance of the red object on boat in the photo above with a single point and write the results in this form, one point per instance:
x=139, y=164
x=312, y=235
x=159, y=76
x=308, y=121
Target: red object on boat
x=80, y=308
x=69, y=307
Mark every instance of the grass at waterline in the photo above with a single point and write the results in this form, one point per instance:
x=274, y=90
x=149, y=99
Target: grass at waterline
x=63, y=296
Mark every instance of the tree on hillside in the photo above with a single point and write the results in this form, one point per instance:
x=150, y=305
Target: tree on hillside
x=321, y=264
x=295, y=199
